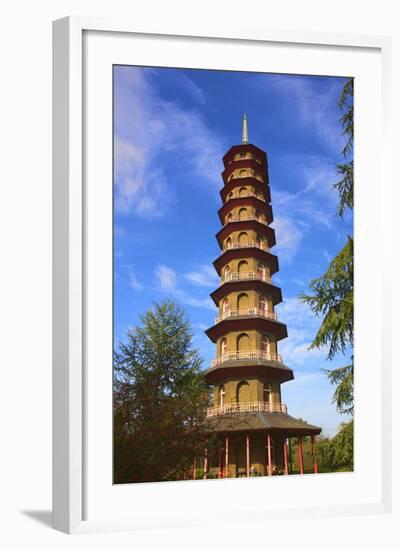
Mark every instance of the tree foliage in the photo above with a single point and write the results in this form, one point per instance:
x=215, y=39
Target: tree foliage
x=343, y=379
x=337, y=454
x=331, y=295
x=345, y=186
x=160, y=399
x=332, y=298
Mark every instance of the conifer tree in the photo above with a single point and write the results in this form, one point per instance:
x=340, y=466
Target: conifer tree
x=332, y=294
x=160, y=399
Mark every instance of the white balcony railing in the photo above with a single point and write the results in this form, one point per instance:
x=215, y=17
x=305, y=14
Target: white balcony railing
x=233, y=195
x=247, y=312
x=244, y=176
x=248, y=244
x=246, y=276
x=249, y=217
x=249, y=406
x=246, y=356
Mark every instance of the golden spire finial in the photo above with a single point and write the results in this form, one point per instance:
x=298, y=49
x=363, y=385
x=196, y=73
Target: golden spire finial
x=244, y=129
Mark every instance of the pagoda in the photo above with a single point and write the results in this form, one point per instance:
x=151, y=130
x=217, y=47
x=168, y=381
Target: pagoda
x=251, y=422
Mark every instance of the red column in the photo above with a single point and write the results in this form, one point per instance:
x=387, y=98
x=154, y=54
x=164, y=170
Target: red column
x=269, y=455
x=313, y=439
x=220, y=462
x=301, y=460
x=194, y=475
x=205, y=465
x=285, y=457
x=247, y=456
x=226, y=455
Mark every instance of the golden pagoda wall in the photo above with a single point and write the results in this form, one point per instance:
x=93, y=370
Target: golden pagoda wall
x=236, y=300
x=243, y=237
x=255, y=341
x=256, y=387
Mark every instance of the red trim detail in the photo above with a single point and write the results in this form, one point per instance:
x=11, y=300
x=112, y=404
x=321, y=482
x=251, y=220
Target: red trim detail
x=269, y=455
x=252, y=251
x=237, y=286
x=245, y=163
x=220, y=373
x=254, y=225
x=244, y=148
x=300, y=456
x=315, y=469
x=285, y=456
x=247, y=323
x=241, y=182
x=259, y=204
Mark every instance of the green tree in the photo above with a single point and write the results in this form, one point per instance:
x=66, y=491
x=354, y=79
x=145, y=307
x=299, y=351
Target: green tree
x=160, y=399
x=337, y=454
x=332, y=295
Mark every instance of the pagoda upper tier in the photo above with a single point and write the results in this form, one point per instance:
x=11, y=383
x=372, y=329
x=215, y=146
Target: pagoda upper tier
x=246, y=329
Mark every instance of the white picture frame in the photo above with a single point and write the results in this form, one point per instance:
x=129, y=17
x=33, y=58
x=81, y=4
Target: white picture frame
x=70, y=257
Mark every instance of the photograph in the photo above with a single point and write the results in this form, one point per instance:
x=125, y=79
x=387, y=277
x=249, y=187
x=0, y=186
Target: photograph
x=233, y=283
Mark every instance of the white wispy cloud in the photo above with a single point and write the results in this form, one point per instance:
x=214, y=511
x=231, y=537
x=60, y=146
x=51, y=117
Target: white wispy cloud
x=327, y=255
x=314, y=108
x=191, y=88
x=166, y=277
x=302, y=326
x=289, y=236
x=205, y=276
x=310, y=206
x=148, y=128
x=134, y=283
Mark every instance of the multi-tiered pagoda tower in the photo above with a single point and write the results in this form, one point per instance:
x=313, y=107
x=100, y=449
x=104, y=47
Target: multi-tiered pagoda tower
x=248, y=414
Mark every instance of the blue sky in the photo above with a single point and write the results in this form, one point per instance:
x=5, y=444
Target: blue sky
x=171, y=129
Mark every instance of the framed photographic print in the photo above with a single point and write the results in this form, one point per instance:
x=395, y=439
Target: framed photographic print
x=216, y=347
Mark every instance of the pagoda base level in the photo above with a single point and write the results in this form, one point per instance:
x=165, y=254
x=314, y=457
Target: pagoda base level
x=261, y=453
x=262, y=421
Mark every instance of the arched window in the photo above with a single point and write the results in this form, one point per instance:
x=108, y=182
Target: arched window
x=225, y=305
x=229, y=243
x=261, y=271
x=243, y=238
x=243, y=301
x=243, y=342
x=243, y=266
x=259, y=241
x=264, y=344
x=242, y=173
x=258, y=215
x=243, y=393
x=222, y=396
x=229, y=217
x=229, y=196
x=262, y=304
x=223, y=346
x=243, y=192
x=267, y=393
x=227, y=271
x=243, y=214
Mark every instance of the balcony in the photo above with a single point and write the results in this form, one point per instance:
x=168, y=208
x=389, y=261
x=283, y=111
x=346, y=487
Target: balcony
x=246, y=356
x=249, y=244
x=246, y=276
x=246, y=312
x=244, y=176
x=244, y=219
x=249, y=406
x=245, y=195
